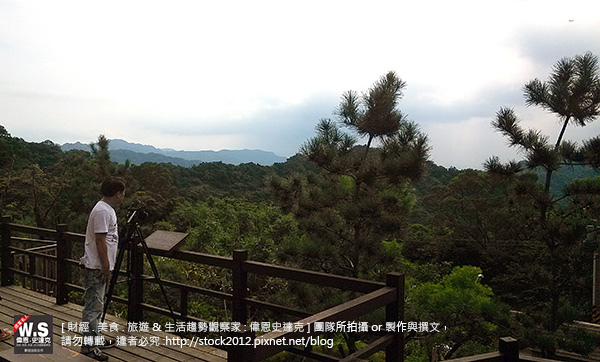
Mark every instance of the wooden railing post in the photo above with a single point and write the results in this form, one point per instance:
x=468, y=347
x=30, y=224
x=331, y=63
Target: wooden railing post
x=239, y=310
x=6, y=256
x=394, y=312
x=63, y=271
x=183, y=302
x=33, y=270
x=244, y=351
x=509, y=348
x=240, y=287
x=136, y=284
x=596, y=289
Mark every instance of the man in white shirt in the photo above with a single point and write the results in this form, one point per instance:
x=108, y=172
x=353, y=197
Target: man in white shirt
x=101, y=244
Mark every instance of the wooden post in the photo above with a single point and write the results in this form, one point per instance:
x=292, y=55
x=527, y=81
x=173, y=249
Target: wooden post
x=394, y=312
x=136, y=285
x=183, y=302
x=592, y=235
x=33, y=269
x=596, y=289
x=6, y=257
x=63, y=271
x=239, y=312
x=509, y=348
x=243, y=352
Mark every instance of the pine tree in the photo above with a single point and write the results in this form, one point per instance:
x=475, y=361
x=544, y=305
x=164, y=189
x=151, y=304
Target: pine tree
x=572, y=93
x=362, y=195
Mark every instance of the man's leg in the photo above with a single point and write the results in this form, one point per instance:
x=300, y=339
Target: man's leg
x=93, y=300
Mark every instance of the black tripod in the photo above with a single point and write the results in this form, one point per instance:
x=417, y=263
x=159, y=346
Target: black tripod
x=132, y=237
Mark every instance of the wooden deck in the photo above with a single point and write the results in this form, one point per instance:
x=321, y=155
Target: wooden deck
x=20, y=301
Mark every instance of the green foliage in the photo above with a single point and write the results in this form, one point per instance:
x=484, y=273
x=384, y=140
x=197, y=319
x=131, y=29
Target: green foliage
x=202, y=309
x=564, y=175
x=469, y=316
x=416, y=351
x=472, y=348
x=376, y=113
x=493, y=222
x=346, y=184
x=101, y=157
x=219, y=226
x=457, y=292
x=41, y=184
x=572, y=90
x=587, y=186
x=581, y=342
x=568, y=337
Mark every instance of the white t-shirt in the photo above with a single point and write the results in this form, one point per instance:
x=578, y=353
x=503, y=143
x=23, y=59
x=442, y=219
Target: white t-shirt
x=102, y=220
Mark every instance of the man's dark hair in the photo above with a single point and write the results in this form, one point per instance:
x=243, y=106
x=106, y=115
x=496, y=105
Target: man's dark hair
x=112, y=185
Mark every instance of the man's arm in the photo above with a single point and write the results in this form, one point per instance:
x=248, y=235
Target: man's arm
x=103, y=255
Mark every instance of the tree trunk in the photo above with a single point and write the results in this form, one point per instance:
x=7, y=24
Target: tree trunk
x=556, y=146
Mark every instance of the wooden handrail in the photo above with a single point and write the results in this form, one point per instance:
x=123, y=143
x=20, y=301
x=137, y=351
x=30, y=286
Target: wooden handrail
x=31, y=252
x=329, y=280
x=32, y=230
x=485, y=357
x=370, y=349
x=195, y=257
x=344, y=312
x=49, y=242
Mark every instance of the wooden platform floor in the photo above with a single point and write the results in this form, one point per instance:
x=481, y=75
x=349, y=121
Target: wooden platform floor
x=20, y=301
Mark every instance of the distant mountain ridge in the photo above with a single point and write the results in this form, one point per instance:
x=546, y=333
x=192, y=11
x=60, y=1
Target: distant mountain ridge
x=121, y=150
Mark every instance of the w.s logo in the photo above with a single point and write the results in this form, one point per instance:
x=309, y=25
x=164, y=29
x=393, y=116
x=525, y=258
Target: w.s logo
x=33, y=334
x=26, y=330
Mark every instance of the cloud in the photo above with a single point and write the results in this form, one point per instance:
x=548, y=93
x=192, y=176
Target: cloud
x=421, y=108
x=276, y=126
x=287, y=128
x=546, y=45
x=466, y=144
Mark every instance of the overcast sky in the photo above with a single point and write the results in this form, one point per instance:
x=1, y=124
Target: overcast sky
x=211, y=75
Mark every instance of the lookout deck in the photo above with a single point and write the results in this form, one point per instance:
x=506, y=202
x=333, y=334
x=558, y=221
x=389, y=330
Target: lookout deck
x=18, y=301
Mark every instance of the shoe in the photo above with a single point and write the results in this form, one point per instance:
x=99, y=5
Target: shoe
x=94, y=353
x=5, y=334
x=108, y=342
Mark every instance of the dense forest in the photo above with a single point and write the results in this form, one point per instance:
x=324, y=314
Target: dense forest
x=505, y=251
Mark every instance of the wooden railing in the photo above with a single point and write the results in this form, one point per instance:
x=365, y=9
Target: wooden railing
x=377, y=295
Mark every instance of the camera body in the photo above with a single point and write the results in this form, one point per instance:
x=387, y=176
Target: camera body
x=136, y=216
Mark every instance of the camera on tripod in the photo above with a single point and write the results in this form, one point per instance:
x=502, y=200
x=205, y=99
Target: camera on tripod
x=131, y=238
x=136, y=215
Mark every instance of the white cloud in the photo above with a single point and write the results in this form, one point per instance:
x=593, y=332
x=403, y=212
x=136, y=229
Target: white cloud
x=466, y=144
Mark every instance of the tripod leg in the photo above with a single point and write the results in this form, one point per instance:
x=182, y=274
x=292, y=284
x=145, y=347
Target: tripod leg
x=114, y=277
x=155, y=271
